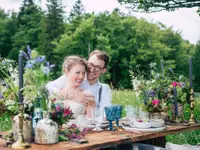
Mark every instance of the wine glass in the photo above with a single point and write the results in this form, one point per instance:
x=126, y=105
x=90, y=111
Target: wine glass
x=97, y=118
x=110, y=115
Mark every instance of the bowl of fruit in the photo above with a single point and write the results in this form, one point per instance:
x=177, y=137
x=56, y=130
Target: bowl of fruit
x=142, y=123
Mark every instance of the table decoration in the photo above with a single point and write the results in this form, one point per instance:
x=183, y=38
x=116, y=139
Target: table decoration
x=20, y=143
x=110, y=115
x=118, y=113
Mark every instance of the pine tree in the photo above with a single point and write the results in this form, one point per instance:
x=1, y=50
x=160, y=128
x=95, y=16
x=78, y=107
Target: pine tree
x=53, y=27
x=77, y=10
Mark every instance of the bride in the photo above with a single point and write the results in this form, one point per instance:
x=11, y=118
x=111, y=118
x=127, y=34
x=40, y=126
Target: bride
x=74, y=68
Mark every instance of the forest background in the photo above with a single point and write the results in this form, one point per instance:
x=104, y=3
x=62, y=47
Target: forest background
x=132, y=43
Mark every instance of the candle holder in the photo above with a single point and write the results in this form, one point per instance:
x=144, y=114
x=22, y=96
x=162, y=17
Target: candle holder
x=192, y=119
x=20, y=143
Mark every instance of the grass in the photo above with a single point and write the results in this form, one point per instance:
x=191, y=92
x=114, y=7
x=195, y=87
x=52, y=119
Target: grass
x=128, y=97
x=5, y=122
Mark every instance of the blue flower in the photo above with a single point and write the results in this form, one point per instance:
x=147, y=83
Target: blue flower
x=30, y=64
x=40, y=59
x=45, y=70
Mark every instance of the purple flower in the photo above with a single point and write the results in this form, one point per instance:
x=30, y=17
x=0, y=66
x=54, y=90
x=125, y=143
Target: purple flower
x=1, y=96
x=25, y=55
x=58, y=108
x=49, y=66
x=152, y=93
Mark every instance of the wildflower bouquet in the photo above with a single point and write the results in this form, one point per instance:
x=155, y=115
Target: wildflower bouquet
x=36, y=75
x=71, y=132
x=58, y=113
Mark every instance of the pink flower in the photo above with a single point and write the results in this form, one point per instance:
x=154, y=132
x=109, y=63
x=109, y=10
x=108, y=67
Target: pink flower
x=175, y=84
x=67, y=112
x=155, y=102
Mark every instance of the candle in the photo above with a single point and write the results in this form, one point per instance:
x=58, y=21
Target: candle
x=190, y=71
x=20, y=63
x=175, y=102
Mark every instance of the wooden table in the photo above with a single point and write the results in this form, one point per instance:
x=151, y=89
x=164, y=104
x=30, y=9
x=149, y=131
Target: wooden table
x=104, y=139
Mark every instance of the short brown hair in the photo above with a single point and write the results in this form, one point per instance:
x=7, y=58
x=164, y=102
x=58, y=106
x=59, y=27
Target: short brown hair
x=70, y=61
x=102, y=55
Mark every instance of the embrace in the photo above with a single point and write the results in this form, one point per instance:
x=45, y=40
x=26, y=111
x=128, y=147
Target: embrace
x=80, y=85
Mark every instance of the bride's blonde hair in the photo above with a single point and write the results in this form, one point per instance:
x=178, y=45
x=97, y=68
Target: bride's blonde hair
x=70, y=61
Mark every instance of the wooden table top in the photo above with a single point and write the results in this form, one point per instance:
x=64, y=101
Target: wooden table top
x=108, y=138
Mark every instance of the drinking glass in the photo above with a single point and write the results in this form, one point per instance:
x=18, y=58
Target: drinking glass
x=110, y=115
x=118, y=113
x=97, y=118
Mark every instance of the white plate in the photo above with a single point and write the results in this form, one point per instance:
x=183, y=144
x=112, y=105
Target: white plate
x=91, y=126
x=132, y=129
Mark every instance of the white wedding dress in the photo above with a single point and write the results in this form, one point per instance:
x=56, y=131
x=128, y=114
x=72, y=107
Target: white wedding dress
x=77, y=108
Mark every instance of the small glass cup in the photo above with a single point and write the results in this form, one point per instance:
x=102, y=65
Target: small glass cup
x=110, y=115
x=97, y=118
x=118, y=113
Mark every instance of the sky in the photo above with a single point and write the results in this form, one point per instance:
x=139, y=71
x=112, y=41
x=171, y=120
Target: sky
x=184, y=20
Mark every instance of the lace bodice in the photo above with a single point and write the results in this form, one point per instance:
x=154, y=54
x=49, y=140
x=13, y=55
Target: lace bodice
x=77, y=108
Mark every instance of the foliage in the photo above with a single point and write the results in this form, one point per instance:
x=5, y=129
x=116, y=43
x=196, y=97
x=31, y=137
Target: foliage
x=36, y=75
x=158, y=5
x=59, y=113
x=196, y=66
x=129, y=41
x=8, y=86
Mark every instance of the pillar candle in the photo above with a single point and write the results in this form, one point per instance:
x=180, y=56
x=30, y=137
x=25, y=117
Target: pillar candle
x=190, y=71
x=175, y=102
x=20, y=64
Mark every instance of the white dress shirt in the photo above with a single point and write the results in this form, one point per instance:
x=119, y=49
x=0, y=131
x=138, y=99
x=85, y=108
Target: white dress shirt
x=106, y=95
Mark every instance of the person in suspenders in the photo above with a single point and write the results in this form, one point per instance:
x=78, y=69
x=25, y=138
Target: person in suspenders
x=99, y=94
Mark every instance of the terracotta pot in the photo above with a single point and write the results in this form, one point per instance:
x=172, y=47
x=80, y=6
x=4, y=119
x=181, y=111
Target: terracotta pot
x=27, y=128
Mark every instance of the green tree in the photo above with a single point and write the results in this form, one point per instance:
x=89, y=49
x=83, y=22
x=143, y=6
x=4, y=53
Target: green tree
x=29, y=27
x=52, y=27
x=7, y=30
x=196, y=66
x=159, y=5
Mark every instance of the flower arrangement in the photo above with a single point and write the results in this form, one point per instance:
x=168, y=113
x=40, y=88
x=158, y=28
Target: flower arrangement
x=58, y=113
x=71, y=132
x=182, y=91
x=36, y=75
x=157, y=92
